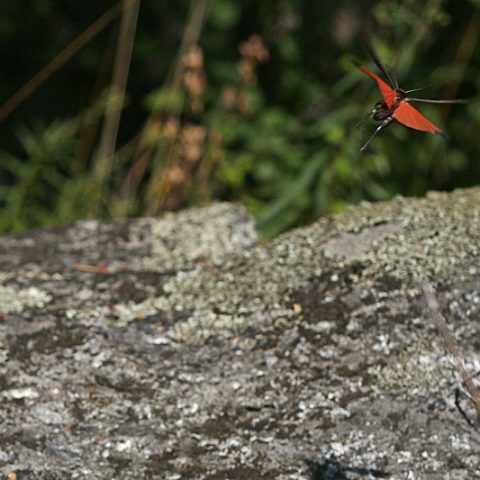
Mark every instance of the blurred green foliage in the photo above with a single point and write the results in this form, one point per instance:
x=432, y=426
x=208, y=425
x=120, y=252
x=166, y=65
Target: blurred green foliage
x=261, y=110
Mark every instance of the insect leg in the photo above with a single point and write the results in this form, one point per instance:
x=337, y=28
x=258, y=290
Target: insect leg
x=376, y=132
x=429, y=100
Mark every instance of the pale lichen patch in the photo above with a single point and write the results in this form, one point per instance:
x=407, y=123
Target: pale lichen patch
x=417, y=239
x=13, y=300
x=211, y=233
x=127, y=312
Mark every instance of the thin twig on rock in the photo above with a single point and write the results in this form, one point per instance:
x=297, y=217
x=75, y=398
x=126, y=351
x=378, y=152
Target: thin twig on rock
x=452, y=348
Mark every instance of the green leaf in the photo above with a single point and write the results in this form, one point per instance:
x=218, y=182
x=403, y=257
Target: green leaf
x=165, y=99
x=224, y=14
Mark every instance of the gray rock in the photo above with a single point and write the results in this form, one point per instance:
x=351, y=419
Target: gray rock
x=184, y=348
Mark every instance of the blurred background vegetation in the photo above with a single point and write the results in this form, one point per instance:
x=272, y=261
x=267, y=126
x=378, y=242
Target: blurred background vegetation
x=124, y=108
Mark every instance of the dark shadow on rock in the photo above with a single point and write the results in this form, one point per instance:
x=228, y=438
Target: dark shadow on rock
x=332, y=469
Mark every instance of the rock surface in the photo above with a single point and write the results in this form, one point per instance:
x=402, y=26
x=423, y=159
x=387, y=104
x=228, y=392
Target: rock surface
x=184, y=348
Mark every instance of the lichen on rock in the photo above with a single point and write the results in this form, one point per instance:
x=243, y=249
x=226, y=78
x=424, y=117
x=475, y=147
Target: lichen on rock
x=198, y=352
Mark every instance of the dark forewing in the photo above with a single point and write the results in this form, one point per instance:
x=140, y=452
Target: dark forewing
x=381, y=67
x=388, y=93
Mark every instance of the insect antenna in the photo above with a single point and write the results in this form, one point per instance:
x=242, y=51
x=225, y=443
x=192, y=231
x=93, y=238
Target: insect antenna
x=415, y=90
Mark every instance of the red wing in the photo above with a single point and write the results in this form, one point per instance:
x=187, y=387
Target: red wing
x=411, y=117
x=388, y=93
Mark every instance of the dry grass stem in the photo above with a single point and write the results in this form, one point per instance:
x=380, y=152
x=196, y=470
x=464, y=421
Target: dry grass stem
x=452, y=347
